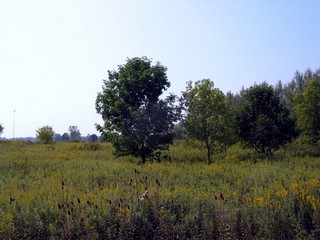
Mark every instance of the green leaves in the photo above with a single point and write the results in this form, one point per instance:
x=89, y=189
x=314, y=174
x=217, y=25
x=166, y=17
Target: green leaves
x=136, y=121
x=207, y=113
x=307, y=110
x=45, y=134
x=263, y=123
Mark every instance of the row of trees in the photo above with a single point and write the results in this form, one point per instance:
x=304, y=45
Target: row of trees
x=47, y=135
x=139, y=122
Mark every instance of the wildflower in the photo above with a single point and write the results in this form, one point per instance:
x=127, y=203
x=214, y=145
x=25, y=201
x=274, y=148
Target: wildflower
x=314, y=182
x=294, y=187
x=312, y=200
x=282, y=193
x=303, y=193
x=260, y=201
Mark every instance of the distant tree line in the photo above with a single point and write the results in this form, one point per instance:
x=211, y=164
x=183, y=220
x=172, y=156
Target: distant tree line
x=46, y=135
x=139, y=122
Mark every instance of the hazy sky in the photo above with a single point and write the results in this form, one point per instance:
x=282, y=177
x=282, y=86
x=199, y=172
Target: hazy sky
x=55, y=53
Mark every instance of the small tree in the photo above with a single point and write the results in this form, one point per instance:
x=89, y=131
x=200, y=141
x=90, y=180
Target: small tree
x=74, y=133
x=136, y=120
x=307, y=110
x=45, y=134
x=263, y=123
x=207, y=115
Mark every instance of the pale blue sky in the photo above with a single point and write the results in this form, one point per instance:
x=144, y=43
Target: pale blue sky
x=55, y=53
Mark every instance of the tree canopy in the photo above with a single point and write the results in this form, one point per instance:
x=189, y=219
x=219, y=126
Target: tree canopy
x=207, y=117
x=307, y=110
x=45, y=134
x=136, y=120
x=263, y=123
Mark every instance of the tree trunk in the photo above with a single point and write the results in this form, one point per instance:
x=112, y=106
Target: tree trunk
x=143, y=158
x=143, y=152
x=209, y=157
x=209, y=160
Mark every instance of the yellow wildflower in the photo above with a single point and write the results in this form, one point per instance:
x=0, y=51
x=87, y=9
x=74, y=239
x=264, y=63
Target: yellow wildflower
x=282, y=193
x=314, y=182
x=294, y=187
x=312, y=200
x=303, y=194
x=260, y=201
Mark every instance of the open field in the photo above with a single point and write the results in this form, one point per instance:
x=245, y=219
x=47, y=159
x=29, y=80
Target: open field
x=80, y=191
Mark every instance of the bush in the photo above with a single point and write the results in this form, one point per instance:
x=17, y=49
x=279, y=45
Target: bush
x=45, y=134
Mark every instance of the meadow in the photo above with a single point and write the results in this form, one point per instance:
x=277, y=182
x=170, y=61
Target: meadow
x=81, y=191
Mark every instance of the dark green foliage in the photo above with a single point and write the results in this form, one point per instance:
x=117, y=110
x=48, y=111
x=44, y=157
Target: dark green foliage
x=136, y=121
x=263, y=123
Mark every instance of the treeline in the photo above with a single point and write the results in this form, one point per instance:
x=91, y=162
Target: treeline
x=47, y=135
x=263, y=117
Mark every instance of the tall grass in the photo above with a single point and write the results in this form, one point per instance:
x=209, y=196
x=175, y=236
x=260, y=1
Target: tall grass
x=80, y=191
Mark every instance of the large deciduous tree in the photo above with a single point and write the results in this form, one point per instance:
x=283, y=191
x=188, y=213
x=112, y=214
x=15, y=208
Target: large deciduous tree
x=207, y=117
x=136, y=120
x=307, y=110
x=263, y=122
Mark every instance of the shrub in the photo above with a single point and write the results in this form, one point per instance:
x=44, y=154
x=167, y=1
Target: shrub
x=45, y=134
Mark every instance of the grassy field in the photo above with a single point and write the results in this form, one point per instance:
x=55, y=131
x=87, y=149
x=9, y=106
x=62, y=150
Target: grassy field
x=80, y=191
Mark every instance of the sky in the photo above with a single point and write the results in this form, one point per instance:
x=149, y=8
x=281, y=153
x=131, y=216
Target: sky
x=54, y=55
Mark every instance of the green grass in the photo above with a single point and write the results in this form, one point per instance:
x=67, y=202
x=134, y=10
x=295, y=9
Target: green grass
x=80, y=191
